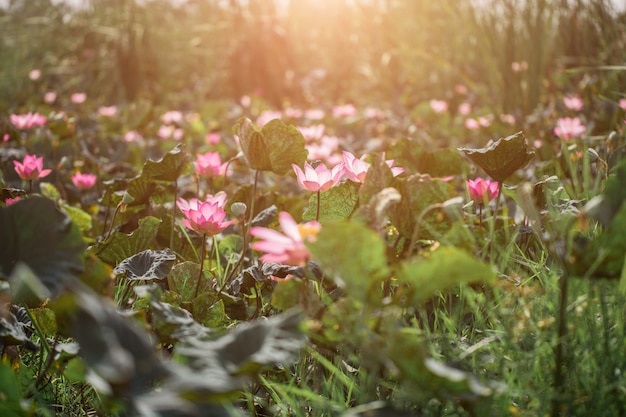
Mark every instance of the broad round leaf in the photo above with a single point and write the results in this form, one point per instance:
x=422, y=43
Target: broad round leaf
x=503, y=157
x=147, y=265
x=34, y=232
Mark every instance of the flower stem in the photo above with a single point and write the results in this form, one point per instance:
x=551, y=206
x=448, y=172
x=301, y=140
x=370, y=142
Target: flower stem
x=317, y=214
x=173, y=216
x=200, y=274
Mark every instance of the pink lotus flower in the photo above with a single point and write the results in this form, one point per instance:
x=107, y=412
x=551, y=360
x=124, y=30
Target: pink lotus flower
x=439, y=106
x=312, y=132
x=205, y=217
x=573, y=102
x=31, y=168
x=213, y=138
x=319, y=178
x=5, y=137
x=84, y=181
x=265, y=117
x=484, y=121
x=210, y=165
x=346, y=110
x=482, y=190
x=507, y=118
x=622, y=103
x=107, y=111
x=78, y=98
x=465, y=109
x=49, y=97
x=34, y=75
x=314, y=114
x=10, y=201
x=356, y=169
x=28, y=120
x=287, y=248
x=172, y=117
x=567, y=128
x=472, y=124
x=132, y=136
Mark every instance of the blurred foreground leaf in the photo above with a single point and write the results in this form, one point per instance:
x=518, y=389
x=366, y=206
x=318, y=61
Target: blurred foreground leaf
x=354, y=256
x=35, y=233
x=439, y=270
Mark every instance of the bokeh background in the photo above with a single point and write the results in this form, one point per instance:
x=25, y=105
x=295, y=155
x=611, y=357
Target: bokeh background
x=514, y=57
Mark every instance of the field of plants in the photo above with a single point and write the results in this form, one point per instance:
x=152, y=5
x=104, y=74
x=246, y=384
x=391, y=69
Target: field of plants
x=392, y=208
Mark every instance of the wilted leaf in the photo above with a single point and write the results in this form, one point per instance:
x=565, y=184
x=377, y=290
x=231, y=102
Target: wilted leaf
x=503, y=157
x=265, y=217
x=338, y=203
x=442, y=269
x=121, y=246
x=34, y=232
x=120, y=352
x=274, y=148
x=169, y=168
x=173, y=323
x=248, y=347
x=147, y=265
x=354, y=256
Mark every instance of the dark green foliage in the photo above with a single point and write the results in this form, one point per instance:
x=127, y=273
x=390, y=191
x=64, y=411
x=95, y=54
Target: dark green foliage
x=36, y=235
x=503, y=157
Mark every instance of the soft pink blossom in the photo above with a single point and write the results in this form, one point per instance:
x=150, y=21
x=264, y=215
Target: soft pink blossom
x=213, y=138
x=472, y=124
x=78, y=98
x=482, y=190
x=34, y=75
x=172, y=117
x=31, y=168
x=10, y=200
x=132, y=136
x=49, y=97
x=374, y=113
x=356, y=169
x=312, y=132
x=5, y=137
x=245, y=101
x=28, y=120
x=210, y=165
x=622, y=103
x=205, y=217
x=319, y=178
x=484, y=121
x=107, y=111
x=345, y=110
x=292, y=112
x=508, y=118
x=567, y=128
x=314, y=114
x=519, y=66
x=460, y=89
x=325, y=149
x=288, y=248
x=84, y=181
x=573, y=102
x=266, y=116
x=465, y=108
x=439, y=106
